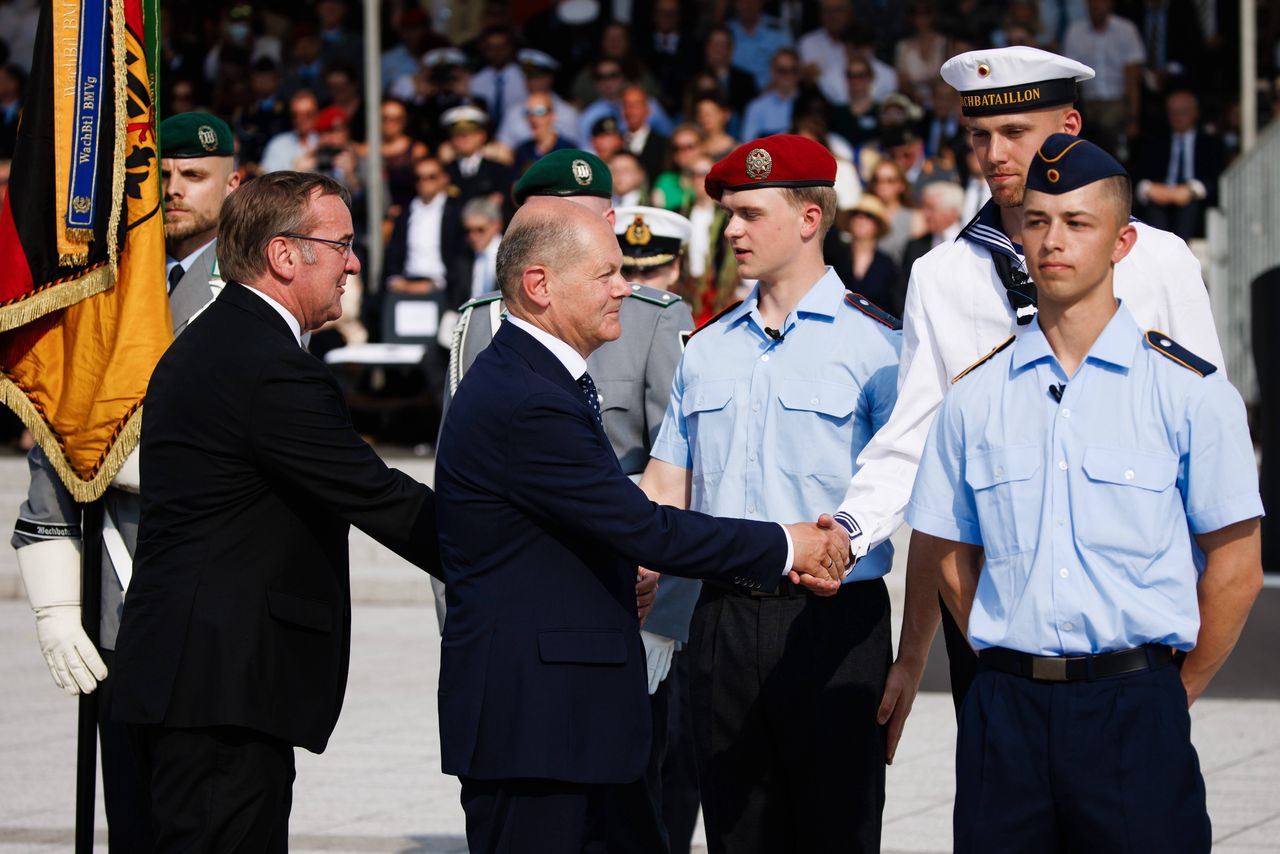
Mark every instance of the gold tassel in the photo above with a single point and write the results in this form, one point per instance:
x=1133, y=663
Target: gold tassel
x=119, y=53
x=81, y=490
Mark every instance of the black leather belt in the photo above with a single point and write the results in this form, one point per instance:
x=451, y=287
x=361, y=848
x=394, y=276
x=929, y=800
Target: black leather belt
x=785, y=590
x=1076, y=668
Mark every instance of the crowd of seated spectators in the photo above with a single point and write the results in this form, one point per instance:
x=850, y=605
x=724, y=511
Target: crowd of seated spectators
x=474, y=92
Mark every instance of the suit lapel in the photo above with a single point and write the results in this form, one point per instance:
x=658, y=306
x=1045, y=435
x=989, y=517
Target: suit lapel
x=193, y=292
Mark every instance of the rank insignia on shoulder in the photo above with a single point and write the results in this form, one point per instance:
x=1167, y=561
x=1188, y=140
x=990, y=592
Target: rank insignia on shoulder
x=1166, y=346
x=654, y=296
x=872, y=310
x=711, y=320
x=1005, y=343
x=483, y=299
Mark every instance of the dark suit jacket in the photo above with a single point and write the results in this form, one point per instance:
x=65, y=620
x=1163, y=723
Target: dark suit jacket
x=653, y=156
x=490, y=177
x=740, y=90
x=542, y=672
x=1209, y=160
x=454, y=249
x=239, y=610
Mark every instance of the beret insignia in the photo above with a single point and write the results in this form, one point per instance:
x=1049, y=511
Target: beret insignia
x=581, y=172
x=759, y=164
x=208, y=137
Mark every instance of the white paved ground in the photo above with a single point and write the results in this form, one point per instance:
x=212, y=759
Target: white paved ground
x=378, y=788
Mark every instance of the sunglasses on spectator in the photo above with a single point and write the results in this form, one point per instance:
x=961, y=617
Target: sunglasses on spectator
x=857, y=75
x=539, y=110
x=786, y=69
x=431, y=176
x=608, y=75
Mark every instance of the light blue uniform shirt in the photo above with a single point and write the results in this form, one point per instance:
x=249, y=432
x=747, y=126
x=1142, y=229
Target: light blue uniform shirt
x=771, y=429
x=767, y=114
x=1083, y=507
x=753, y=52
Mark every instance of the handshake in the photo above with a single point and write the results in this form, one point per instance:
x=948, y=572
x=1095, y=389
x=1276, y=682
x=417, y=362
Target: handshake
x=821, y=555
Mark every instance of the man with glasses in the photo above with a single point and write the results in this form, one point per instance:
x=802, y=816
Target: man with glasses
x=770, y=112
x=234, y=643
x=540, y=113
x=421, y=256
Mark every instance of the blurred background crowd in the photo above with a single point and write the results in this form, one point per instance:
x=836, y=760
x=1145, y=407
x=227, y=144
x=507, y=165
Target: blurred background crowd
x=474, y=92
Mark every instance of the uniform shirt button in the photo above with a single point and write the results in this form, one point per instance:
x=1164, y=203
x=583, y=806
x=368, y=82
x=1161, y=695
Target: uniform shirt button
x=1063, y=572
x=1066, y=627
x=1061, y=522
x=1128, y=474
x=765, y=357
x=755, y=407
x=701, y=400
x=1062, y=464
x=999, y=471
x=752, y=456
x=1066, y=413
x=751, y=508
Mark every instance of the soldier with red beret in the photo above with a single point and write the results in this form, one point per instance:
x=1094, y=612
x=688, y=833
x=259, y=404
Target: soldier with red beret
x=770, y=406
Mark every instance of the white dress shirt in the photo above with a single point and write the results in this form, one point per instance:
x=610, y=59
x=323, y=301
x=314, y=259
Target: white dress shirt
x=1108, y=52
x=820, y=49
x=170, y=262
x=294, y=326
x=423, y=258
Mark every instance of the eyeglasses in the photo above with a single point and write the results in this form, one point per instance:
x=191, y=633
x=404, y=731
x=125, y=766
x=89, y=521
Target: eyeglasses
x=786, y=69
x=431, y=176
x=539, y=110
x=857, y=75
x=608, y=75
x=342, y=246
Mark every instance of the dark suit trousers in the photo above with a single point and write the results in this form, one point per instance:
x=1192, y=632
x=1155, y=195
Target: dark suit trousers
x=785, y=692
x=554, y=817
x=123, y=792
x=216, y=789
x=678, y=769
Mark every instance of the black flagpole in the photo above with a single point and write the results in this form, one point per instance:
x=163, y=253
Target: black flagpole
x=90, y=617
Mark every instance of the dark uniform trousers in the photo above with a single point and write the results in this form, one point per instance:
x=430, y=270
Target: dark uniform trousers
x=216, y=789
x=125, y=795
x=962, y=663
x=784, y=693
x=1101, y=766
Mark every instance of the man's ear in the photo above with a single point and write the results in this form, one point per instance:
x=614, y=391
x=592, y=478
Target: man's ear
x=810, y=221
x=283, y=258
x=535, y=285
x=1125, y=240
x=1071, y=122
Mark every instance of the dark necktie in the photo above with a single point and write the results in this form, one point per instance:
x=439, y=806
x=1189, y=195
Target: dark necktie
x=588, y=387
x=175, y=276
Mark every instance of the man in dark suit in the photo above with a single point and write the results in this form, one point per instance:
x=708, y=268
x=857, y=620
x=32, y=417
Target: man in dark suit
x=1177, y=171
x=234, y=642
x=543, y=709
x=649, y=146
x=427, y=252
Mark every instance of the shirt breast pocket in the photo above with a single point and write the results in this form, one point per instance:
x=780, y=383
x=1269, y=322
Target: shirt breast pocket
x=1008, y=496
x=708, y=412
x=1129, y=501
x=814, y=436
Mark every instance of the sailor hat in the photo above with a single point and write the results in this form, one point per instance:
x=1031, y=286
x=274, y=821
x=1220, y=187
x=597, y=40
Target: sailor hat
x=1013, y=80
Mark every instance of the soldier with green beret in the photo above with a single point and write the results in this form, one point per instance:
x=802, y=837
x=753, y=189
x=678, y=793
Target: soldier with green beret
x=564, y=173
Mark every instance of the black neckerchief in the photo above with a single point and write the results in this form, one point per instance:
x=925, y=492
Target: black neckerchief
x=984, y=230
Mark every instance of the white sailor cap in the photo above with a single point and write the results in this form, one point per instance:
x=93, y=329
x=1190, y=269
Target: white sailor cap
x=464, y=117
x=444, y=56
x=650, y=237
x=1013, y=80
x=530, y=58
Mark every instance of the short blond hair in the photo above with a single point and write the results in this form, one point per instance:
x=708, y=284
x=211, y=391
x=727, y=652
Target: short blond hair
x=824, y=197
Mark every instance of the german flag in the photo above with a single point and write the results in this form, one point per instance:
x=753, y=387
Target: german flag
x=84, y=312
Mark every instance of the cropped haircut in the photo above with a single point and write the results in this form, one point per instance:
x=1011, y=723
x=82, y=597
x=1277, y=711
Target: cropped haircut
x=544, y=240
x=263, y=209
x=824, y=197
x=1118, y=190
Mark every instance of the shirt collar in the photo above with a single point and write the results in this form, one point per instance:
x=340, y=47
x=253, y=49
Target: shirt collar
x=985, y=230
x=294, y=326
x=1116, y=345
x=567, y=356
x=823, y=299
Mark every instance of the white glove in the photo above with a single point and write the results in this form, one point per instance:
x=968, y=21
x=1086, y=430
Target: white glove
x=51, y=573
x=658, y=651
x=129, y=478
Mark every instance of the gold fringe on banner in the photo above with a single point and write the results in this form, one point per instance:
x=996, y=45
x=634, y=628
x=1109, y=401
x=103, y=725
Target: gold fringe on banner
x=119, y=55
x=54, y=296
x=84, y=490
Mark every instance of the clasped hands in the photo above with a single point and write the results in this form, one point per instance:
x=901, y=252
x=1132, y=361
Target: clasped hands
x=820, y=556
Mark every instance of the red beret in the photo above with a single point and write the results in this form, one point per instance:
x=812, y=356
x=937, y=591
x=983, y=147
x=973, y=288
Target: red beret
x=781, y=160
x=329, y=118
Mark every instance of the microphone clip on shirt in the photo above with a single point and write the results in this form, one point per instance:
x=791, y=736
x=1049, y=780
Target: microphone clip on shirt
x=1056, y=391
x=775, y=334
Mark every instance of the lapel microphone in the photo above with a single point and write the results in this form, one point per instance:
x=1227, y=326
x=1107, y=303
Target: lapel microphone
x=1055, y=391
x=774, y=334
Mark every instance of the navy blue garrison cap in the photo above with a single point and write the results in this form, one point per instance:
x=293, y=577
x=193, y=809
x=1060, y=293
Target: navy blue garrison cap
x=1065, y=163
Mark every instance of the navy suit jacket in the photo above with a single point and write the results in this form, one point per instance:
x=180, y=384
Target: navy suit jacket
x=542, y=671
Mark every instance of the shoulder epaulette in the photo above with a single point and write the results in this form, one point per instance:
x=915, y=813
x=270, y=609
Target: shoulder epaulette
x=1166, y=346
x=654, y=296
x=483, y=299
x=719, y=314
x=872, y=310
x=1005, y=343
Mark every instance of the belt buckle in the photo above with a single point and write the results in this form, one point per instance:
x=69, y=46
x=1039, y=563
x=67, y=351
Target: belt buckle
x=1049, y=668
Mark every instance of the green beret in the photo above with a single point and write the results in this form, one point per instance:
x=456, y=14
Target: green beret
x=567, y=172
x=196, y=135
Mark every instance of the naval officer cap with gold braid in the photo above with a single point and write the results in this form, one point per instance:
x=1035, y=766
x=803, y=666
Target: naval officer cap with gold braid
x=1015, y=79
x=650, y=237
